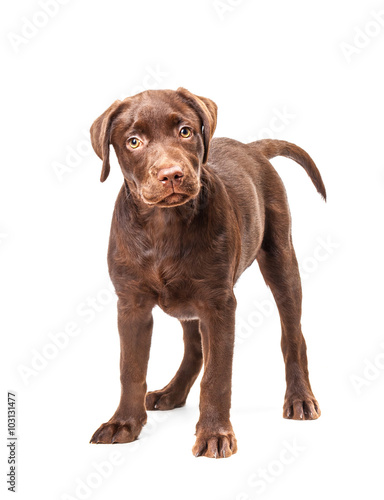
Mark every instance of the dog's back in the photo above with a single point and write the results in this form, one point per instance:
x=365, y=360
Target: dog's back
x=255, y=188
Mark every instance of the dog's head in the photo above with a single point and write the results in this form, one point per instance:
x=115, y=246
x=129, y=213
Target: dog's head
x=161, y=139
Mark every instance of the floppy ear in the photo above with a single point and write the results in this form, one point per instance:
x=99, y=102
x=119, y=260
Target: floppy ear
x=101, y=135
x=207, y=110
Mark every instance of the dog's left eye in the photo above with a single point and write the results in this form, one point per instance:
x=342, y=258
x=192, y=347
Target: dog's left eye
x=134, y=142
x=185, y=132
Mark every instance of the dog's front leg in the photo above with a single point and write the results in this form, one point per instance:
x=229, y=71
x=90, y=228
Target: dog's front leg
x=214, y=434
x=135, y=329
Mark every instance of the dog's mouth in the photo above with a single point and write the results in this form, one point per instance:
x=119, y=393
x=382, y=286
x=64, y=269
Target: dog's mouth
x=174, y=199
x=171, y=200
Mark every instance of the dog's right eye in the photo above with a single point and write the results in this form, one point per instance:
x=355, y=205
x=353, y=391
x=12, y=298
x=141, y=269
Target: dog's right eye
x=134, y=142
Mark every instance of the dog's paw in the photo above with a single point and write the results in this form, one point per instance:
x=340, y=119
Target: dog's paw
x=215, y=445
x=117, y=431
x=165, y=399
x=301, y=408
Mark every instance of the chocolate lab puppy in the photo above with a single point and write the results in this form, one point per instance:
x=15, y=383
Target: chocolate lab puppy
x=192, y=215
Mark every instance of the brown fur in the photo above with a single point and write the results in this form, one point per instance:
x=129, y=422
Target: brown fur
x=181, y=243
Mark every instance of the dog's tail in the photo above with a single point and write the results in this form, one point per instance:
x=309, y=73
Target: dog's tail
x=271, y=148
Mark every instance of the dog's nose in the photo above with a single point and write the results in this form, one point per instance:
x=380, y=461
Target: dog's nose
x=170, y=175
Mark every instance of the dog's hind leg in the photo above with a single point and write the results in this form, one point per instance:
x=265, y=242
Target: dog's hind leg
x=175, y=393
x=280, y=270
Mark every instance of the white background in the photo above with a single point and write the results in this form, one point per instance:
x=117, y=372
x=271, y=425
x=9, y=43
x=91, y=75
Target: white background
x=257, y=61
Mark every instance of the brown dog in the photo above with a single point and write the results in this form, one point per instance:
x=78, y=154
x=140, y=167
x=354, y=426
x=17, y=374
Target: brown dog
x=191, y=216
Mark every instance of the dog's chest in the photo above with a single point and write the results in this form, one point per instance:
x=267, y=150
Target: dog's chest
x=178, y=301
x=170, y=255
x=181, y=265
x=175, y=286
x=168, y=270
x=171, y=272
